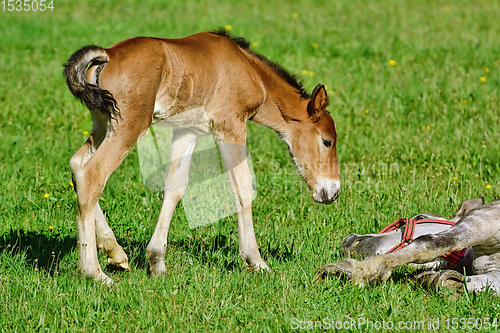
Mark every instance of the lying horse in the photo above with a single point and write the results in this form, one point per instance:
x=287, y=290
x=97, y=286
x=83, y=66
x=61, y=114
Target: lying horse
x=207, y=83
x=475, y=229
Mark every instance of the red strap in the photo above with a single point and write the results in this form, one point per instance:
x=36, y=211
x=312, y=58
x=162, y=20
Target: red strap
x=454, y=257
x=404, y=221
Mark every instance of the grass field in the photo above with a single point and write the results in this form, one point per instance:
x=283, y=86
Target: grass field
x=414, y=90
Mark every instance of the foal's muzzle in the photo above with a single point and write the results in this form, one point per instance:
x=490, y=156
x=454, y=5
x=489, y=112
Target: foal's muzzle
x=326, y=191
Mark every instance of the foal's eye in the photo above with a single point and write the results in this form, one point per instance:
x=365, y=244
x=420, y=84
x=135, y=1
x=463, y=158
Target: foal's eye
x=327, y=143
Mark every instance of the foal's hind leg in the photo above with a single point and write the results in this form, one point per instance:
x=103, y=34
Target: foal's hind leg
x=90, y=181
x=106, y=240
x=175, y=184
x=480, y=226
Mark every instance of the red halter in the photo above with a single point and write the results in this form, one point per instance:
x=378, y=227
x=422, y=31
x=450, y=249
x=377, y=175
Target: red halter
x=454, y=257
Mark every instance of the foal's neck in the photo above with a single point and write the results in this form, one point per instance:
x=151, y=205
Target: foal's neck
x=284, y=105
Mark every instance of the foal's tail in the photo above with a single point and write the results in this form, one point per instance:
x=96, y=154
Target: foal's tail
x=96, y=99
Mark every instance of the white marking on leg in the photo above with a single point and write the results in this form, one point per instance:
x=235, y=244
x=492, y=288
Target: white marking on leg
x=175, y=184
x=240, y=178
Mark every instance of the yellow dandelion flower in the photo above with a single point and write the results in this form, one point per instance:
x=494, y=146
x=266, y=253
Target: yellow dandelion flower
x=392, y=62
x=453, y=178
x=366, y=111
x=487, y=70
x=447, y=8
x=488, y=186
x=304, y=72
x=46, y=195
x=85, y=133
x=465, y=101
x=228, y=27
x=482, y=79
x=330, y=92
x=51, y=228
x=255, y=44
x=311, y=73
x=75, y=196
x=295, y=15
x=315, y=45
x=71, y=184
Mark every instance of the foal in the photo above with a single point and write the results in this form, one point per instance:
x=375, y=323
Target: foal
x=140, y=81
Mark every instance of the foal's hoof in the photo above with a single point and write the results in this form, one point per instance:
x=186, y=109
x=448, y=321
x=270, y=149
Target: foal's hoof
x=448, y=279
x=121, y=266
x=344, y=268
x=157, y=270
x=104, y=279
x=258, y=267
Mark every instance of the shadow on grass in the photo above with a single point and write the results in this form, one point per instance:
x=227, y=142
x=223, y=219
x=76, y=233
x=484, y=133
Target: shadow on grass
x=405, y=275
x=218, y=250
x=42, y=249
x=46, y=250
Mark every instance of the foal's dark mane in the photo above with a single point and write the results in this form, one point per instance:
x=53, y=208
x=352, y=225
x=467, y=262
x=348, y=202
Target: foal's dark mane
x=242, y=42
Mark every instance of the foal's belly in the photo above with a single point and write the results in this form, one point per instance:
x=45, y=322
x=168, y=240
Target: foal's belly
x=173, y=116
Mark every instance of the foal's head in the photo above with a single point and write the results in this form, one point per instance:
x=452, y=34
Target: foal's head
x=313, y=142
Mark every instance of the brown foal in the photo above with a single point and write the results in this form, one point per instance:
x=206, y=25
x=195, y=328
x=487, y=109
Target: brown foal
x=140, y=81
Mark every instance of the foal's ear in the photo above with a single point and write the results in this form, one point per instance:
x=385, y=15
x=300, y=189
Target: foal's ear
x=318, y=102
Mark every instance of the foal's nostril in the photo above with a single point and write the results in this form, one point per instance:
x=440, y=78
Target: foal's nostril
x=324, y=195
x=336, y=195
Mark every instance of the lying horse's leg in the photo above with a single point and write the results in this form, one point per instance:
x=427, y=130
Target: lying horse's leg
x=481, y=282
x=488, y=269
x=433, y=280
x=488, y=276
x=106, y=240
x=175, y=184
x=480, y=226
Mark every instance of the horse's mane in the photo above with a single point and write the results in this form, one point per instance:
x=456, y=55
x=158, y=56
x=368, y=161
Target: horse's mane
x=242, y=42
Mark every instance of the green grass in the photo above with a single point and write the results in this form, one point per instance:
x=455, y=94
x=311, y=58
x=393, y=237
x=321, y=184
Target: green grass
x=403, y=132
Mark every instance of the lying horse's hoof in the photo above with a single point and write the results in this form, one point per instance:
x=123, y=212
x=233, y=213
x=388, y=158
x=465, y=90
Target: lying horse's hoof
x=448, y=279
x=344, y=268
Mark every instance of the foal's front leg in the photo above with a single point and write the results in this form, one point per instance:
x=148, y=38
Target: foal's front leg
x=183, y=143
x=240, y=178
